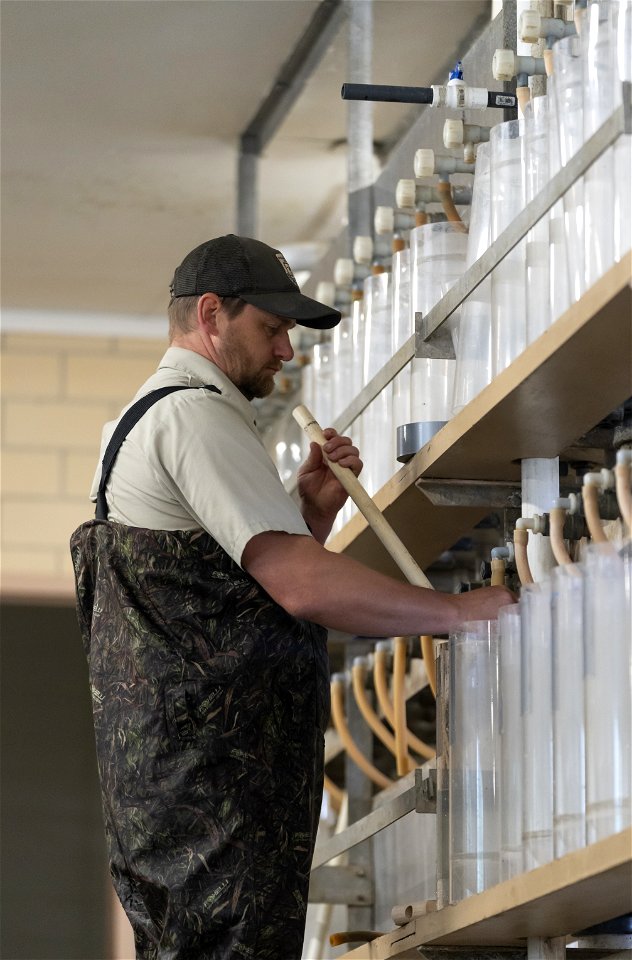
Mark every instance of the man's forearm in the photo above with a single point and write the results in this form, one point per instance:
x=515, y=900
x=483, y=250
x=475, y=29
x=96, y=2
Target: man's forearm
x=337, y=592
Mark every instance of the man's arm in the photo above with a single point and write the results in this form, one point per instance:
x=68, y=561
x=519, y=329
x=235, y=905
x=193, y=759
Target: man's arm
x=313, y=583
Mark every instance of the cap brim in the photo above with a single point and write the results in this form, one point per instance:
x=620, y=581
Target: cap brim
x=295, y=306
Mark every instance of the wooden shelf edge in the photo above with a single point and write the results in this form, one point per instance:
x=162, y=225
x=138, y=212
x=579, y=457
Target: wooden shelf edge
x=503, y=394
x=580, y=889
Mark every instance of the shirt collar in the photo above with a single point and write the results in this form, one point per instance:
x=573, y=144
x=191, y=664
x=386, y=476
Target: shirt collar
x=204, y=371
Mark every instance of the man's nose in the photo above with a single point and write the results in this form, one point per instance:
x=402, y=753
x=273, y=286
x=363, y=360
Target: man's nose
x=285, y=350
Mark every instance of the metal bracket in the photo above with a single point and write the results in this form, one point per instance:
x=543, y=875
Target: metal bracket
x=436, y=345
x=351, y=885
x=426, y=790
x=471, y=493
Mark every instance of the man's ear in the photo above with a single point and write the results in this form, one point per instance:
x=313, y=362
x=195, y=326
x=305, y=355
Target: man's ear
x=208, y=308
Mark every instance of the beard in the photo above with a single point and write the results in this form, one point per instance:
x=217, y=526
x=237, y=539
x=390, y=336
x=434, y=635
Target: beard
x=256, y=385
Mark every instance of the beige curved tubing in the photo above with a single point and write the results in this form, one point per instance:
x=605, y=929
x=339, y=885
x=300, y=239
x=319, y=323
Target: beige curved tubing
x=358, y=676
x=445, y=195
x=548, y=62
x=400, y=645
x=421, y=218
x=427, y=652
x=557, y=515
x=334, y=791
x=498, y=572
x=521, y=538
x=340, y=723
x=623, y=477
x=523, y=95
x=590, y=498
x=381, y=688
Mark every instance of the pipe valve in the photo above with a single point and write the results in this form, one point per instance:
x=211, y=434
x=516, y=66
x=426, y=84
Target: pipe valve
x=427, y=164
x=506, y=65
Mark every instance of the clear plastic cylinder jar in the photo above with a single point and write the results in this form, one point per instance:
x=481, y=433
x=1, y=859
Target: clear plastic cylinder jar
x=569, y=72
x=474, y=759
x=344, y=365
x=474, y=348
x=608, y=632
x=378, y=318
x=536, y=122
x=569, y=757
x=509, y=315
x=559, y=287
x=437, y=261
x=442, y=667
x=622, y=25
x=599, y=40
x=323, y=384
x=509, y=645
x=537, y=724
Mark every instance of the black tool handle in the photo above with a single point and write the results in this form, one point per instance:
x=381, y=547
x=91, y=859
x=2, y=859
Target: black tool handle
x=373, y=91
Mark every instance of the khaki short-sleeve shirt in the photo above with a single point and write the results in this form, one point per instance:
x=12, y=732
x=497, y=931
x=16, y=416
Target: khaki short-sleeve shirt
x=196, y=460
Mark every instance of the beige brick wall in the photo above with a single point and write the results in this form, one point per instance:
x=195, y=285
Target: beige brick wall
x=57, y=391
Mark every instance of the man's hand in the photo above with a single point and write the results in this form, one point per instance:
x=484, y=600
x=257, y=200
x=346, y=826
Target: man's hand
x=322, y=495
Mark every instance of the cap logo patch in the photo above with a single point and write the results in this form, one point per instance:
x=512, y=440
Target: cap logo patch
x=286, y=267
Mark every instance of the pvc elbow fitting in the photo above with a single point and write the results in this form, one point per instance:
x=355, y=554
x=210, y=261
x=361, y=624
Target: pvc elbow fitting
x=427, y=164
x=506, y=65
x=604, y=480
x=344, y=272
x=326, y=292
x=624, y=456
x=405, y=195
x=363, y=249
x=456, y=133
x=533, y=27
x=501, y=553
x=384, y=221
x=535, y=523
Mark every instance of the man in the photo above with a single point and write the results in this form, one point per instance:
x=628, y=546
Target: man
x=204, y=594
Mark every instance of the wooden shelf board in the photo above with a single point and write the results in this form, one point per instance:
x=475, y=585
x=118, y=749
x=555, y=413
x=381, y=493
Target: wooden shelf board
x=561, y=386
x=583, y=888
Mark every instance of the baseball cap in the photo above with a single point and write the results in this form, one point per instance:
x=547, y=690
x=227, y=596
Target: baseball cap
x=234, y=266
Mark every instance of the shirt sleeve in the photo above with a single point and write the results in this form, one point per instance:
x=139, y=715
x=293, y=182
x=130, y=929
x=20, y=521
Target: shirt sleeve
x=216, y=466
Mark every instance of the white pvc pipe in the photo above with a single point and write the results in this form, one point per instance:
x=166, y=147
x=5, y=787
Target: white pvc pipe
x=540, y=487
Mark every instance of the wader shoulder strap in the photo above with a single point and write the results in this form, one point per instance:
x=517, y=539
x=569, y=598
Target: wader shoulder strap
x=123, y=427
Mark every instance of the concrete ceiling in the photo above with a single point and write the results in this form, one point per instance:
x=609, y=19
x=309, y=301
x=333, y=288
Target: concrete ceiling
x=120, y=131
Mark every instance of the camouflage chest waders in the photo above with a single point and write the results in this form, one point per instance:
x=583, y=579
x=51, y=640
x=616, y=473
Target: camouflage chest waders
x=210, y=705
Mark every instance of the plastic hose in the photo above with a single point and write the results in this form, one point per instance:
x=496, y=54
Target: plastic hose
x=548, y=62
x=524, y=96
x=358, y=674
x=427, y=652
x=590, y=497
x=498, y=572
x=521, y=538
x=400, y=645
x=445, y=195
x=340, y=723
x=381, y=689
x=557, y=515
x=623, y=480
x=421, y=218
x=337, y=795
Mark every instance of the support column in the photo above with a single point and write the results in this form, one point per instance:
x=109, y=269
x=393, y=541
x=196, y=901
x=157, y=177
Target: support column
x=540, y=487
x=360, y=121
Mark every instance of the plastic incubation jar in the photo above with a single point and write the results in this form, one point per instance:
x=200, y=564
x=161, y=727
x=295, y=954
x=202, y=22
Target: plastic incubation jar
x=442, y=665
x=508, y=191
x=537, y=724
x=474, y=759
x=569, y=756
x=608, y=632
x=474, y=347
x=537, y=166
x=509, y=644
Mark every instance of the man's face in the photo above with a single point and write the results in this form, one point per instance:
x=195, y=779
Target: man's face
x=252, y=347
